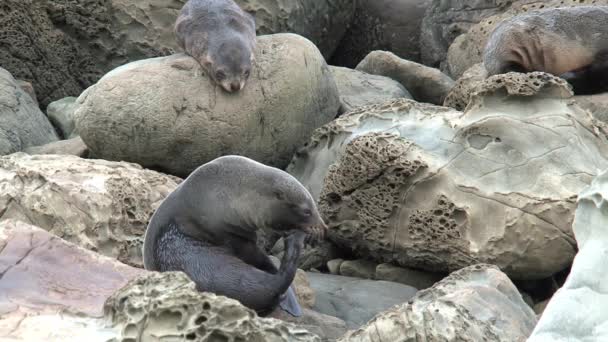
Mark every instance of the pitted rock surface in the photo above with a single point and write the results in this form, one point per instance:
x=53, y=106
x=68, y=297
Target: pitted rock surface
x=159, y=306
x=99, y=205
x=22, y=124
x=52, y=290
x=412, y=184
x=165, y=113
x=477, y=303
x=467, y=49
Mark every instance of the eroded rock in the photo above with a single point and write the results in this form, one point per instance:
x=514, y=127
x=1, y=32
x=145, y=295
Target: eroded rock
x=61, y=114
x=99, y=205
x=415, y=278
x=360, y=268
x=159, y=306
x=477, y=303
x=412, y=184
x=73, y=147
x=166, y=114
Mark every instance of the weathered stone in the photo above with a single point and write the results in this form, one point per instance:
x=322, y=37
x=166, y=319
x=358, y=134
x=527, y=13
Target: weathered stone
x=596, y=104
x=539, y=307
x=412, y=184
x=361, y=268
x=99, y=205
x=356, y=300
x=477, y=303
x=73, y=147
x=424, y=83
x=162, y=306
x=61, y=114
x=29, y=89
x=163, y=113
x=330, y=328
x=22, y=124
x=312, y=256
x=576, y=312
x=391, y=25
x=408, y=276
x=51, y=290
x=358, y=88
x=334, y=266
x=306, y=295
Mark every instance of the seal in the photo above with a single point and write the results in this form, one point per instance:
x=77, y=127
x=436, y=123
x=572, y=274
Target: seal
x=221, y=37
x=207, y=228
x=569, y=42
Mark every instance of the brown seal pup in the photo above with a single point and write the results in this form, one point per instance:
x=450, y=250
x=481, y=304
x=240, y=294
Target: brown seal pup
x=569, y=42
x=221, y=37
x=207, y=228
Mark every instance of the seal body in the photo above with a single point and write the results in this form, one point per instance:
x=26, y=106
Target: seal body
x=221, y=37
x=570, y=42
x=207, y=227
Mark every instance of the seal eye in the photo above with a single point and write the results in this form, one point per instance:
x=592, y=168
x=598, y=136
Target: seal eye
x=307, y=212
x=246, y=73
x=220, y=75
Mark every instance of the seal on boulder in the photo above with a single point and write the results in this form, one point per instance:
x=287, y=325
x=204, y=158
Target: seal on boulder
x=569, y=42
x=207, y=228
x=221, y=37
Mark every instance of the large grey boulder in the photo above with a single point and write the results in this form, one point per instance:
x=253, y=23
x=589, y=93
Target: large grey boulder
x=356, y=300
x=99, y=205
x=577, y=311
x=166, y=113
x=22, y=124
x=477, y=303
x=413, y=184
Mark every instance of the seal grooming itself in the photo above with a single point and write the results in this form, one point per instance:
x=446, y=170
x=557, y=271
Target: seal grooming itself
x=207, y=228
x=221, y=37
x=569, y=42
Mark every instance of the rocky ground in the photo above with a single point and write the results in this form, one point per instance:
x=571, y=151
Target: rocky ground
x=460, y=207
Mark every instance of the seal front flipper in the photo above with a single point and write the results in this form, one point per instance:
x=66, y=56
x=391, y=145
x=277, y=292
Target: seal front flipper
x=289, y=303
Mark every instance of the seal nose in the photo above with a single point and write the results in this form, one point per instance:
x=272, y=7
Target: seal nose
x=234, y=86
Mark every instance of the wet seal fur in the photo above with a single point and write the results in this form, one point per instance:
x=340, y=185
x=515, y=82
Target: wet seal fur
x=569, y=42
x=221, y=37
x=207, y=228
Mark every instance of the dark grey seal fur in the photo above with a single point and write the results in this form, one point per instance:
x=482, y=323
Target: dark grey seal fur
x=569, y=42
x=207, y=227
x=221, y=37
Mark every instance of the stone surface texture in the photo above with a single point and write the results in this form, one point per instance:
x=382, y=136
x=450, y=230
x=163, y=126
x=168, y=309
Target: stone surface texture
x=74, y=147
x=415, y=278
x=61, y=114
x=164, y=113
x=477, y=303
x=99, y=205
x=414, y=184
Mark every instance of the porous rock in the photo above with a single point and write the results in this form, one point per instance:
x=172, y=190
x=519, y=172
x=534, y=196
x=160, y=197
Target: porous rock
x=424, y=83
x=412, y=184
x=576, y=311
x=22, y=124
x=160, y=306
x=358, y=88
x=356, y=300
x=467, y=49
x=359, y=268
x=99, y=205
x=52, y=290
x=477, y=303
x=391, y=25
x=61, y=114
x=166, y=113
x=408, y=276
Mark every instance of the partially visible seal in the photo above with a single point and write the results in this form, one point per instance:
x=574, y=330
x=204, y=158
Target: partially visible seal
x=569, y=42
x=207, y=228
x=221, y=37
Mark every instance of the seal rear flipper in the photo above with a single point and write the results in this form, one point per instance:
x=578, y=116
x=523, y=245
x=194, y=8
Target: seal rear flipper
x=289, y=303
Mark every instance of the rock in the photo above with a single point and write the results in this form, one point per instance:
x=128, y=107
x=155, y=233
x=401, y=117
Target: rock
x=424, y=83
x=576, y=311
x=334, y=266
x=408, y=276
x=356, y=300
x=312, y=256
x=460, y=95
x=597, y=104
x=61, y=114
x=163, y=306
x=391, y=25
x=539, y=307
x=163, y=113
x=467, y=50
x=411, y=183
x=361, y=268
x=324, y=22
x=306, y=295
x=74, y=147
x=328, y=327
x=22, y=124
x=99, y=205
x=29, y=89
x=445, y=20
x=52, y=290
x=358, y=88
x=476, y=303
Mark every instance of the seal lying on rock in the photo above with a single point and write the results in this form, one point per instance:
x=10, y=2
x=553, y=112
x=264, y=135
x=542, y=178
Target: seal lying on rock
x=221, y=37
x=569, y=42
x=207, y=228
